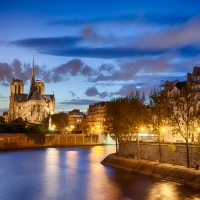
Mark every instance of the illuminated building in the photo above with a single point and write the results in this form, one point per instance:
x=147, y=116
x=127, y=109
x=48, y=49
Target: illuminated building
x=34, y=106
x=95, y=117
x=76, y=119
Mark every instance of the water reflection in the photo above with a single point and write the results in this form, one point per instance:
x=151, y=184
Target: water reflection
x=75, y=173
x=163, y=190
x=71, y=162
x=51, y=172
x=97, y=179
x=168, y=190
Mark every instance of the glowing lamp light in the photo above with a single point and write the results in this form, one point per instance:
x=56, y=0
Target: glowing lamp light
x=142, y=129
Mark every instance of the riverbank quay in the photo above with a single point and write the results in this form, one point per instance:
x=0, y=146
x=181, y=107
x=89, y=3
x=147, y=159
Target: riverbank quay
x=165, y=171
x=151, y=151
x=16, y=141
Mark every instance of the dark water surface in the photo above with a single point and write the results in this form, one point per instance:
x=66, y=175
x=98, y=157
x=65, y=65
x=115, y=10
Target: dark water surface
x=75, y=173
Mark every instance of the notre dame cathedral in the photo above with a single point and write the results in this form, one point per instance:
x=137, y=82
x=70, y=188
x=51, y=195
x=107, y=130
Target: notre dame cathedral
x=33, y=107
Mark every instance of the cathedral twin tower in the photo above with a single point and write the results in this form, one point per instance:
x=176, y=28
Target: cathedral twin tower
x=33, y=107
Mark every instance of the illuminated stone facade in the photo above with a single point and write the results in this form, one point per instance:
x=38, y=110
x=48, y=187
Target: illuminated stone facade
x=175, y=87
x=34, y=106
x=95, y=117
x=193, y=80
x=76, y=120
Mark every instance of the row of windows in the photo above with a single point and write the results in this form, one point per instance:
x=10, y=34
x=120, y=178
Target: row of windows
x=35, y=118
x=36, y=108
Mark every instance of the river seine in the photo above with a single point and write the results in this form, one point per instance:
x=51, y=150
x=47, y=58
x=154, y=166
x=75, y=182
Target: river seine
x=75, y=173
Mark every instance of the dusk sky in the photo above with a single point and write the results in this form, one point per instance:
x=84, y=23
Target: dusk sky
x=90, y=51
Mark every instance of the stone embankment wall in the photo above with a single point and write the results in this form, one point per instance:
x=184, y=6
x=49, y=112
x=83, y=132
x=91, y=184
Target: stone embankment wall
x=165, y=171
x=11, y=141
x=150, y=151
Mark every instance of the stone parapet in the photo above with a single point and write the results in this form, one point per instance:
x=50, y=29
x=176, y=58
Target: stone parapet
x=150, y=151
x=11, y=141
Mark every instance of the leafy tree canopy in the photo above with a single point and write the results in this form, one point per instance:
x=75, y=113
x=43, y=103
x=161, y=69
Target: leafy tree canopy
x=2, y=120
x=60, y=121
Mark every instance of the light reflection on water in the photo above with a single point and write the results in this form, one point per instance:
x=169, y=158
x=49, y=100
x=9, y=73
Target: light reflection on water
x=76, y=173
x=163, y=190
x=51, y=171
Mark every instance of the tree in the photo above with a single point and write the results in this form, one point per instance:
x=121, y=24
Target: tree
x=137, y=115
x=60, y=121
x=34, y=128
x=19, y=121
x=158, y=115
x=45, y=124
x=2, y=120
x=183, y=112
x=85, y=128
x=172, y=149
x=115, y=123
x=125, y=116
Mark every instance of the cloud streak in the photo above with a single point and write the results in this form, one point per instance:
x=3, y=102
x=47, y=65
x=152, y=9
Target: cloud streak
x=79, y=102
x=92, y=42
x=126, y=18
x=66, y=41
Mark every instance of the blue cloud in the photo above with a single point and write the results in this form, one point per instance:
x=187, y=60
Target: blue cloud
x=102, y=52
x=72, y=93
x=126, y=18
x=79, y=102
x=68, y=46
x=92, y=92
x=48, y=42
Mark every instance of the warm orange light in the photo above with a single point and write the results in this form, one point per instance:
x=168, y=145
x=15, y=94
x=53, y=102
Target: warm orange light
x=142, y=129
x=163, y=129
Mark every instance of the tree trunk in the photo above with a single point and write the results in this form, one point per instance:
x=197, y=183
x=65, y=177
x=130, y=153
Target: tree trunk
x=119, y=152
x=188, y=155
x=116, y=147
x=138, y=145
x=160, y=151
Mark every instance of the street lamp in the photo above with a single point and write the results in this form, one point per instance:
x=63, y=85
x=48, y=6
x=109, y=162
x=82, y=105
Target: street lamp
x=142, y=129
x=52, y=128
x=162, y=130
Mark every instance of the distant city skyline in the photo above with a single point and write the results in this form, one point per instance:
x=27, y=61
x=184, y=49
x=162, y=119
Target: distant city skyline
x=92, y=51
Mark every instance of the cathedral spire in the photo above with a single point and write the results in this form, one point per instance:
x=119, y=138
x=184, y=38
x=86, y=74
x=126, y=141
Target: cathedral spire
x=32, y=83
x=33, y=70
